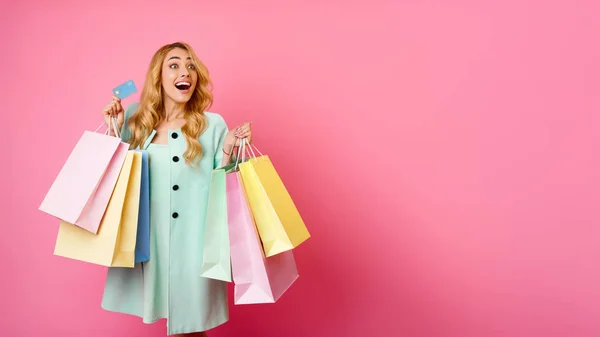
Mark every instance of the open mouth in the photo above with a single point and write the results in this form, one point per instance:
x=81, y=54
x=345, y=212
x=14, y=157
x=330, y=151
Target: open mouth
x=183, y=86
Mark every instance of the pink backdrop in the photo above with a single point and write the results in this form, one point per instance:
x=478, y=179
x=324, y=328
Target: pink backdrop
x=444, y=155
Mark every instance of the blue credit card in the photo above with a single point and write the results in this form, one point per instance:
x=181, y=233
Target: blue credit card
x=124, y=90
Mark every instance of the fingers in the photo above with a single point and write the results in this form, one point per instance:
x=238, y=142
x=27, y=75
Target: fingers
x=114, y=108
x=244, y=134
x=118, y=107
x=116, y=102
x=108, y=110
x=236, y=144
x=244, y=131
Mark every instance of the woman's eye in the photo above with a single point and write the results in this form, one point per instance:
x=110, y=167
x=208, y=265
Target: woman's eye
x=191, y=66
x=173, y=66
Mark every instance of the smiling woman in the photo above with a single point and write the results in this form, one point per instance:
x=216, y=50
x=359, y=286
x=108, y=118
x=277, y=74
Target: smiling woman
x=174, y=103
x=172, y=66
x=175, y=60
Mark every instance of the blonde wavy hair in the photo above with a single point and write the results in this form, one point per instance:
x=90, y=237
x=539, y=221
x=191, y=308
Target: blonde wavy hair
x=151, y=110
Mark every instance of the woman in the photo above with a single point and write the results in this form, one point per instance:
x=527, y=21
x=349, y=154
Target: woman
x=184, y=143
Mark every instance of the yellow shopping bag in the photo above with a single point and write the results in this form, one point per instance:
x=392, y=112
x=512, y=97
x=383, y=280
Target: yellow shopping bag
x=114, y=244
x=278, y=222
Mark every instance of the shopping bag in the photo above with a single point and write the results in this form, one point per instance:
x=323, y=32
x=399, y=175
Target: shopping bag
x=114, y=244
x=279, y=223
x=256, y=278
x=82, y=189
x=126, y=239
x=142, y=242
x=216, y=259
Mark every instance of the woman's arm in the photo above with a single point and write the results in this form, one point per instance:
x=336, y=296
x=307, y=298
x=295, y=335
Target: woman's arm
x=222, y=155
x=227, y=158
x=229, y=141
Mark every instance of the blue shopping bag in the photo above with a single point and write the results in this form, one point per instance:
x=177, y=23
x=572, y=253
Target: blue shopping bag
x=142, y=242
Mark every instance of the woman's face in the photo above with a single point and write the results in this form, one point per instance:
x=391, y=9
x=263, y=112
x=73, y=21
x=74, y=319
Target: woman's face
x=179, y=76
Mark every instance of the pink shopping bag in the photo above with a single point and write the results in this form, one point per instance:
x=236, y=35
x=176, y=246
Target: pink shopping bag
x=81, y=191
x=257, y=279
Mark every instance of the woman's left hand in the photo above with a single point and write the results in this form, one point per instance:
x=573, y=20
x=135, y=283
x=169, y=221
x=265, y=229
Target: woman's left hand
x=235, y=135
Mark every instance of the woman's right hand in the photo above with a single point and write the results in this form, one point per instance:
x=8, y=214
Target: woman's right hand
x=114, y=109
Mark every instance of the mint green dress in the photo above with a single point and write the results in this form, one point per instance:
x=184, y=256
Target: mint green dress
x=169, y=285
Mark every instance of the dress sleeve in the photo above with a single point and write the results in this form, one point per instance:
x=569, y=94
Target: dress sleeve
x=220, y=133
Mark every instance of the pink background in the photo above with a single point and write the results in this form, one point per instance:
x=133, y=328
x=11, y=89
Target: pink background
x=446, y=155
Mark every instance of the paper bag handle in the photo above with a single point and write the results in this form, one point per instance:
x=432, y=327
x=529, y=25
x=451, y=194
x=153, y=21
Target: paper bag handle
x=242, y=152
x=250, y=148
x=113, y=123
